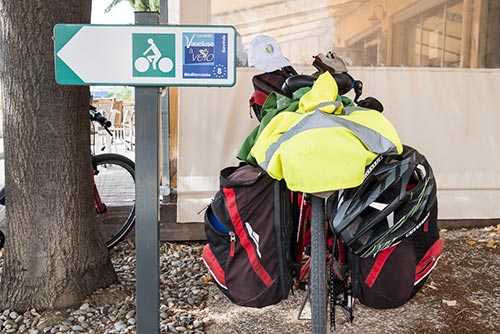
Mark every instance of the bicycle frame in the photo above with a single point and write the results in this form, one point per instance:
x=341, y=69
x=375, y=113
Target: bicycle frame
x=99, y=205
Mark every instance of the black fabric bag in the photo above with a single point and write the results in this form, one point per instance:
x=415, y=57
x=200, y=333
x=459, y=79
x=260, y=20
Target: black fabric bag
x=264, y=84
x=393, y=276
x=249, y=249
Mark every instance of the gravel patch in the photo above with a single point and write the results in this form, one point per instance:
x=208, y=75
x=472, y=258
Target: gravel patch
x=183, y=296
x=462, y=295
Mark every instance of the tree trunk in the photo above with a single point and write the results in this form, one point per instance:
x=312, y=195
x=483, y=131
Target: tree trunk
x=54, y=254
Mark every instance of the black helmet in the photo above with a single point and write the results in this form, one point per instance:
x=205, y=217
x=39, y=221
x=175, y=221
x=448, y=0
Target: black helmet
x=393, y=201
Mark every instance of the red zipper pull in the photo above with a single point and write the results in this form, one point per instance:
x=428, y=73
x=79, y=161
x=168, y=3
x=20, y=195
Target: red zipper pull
x=232, y=239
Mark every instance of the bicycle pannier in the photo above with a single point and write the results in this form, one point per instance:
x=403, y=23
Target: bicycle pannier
x=393, y=276
x=389, y=224
x=264, y=84
x=249, y=242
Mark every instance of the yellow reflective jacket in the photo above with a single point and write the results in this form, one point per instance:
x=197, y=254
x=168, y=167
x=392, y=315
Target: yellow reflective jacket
x=324, y=146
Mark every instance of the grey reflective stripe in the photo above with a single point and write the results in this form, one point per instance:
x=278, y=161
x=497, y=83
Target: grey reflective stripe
x=350, y=110
x=375, y=142
x=325, y=104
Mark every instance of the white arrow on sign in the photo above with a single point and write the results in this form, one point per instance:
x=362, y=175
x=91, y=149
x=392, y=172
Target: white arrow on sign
x=97, y=55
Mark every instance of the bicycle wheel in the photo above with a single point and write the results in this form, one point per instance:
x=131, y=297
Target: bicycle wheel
x=318, y=267
x=115, y=183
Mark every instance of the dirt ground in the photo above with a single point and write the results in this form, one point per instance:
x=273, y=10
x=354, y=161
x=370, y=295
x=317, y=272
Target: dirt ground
x=461, y=296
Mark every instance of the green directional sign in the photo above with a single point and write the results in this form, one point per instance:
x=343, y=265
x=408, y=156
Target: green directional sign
x=144, y=55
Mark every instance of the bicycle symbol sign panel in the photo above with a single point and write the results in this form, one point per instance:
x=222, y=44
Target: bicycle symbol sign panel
x=145, y=55
x=153, y=55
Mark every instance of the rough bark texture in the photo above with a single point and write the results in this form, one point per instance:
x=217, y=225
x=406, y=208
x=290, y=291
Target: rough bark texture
x=54, y=255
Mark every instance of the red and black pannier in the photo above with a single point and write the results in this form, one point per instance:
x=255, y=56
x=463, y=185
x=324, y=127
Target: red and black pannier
x=249, y=249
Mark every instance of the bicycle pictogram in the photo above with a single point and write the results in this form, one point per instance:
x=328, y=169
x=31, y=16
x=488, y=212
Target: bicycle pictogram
x=152, y=57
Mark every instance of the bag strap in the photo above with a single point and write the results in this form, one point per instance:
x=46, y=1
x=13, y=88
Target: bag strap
x=382, y=257
x=239, y=229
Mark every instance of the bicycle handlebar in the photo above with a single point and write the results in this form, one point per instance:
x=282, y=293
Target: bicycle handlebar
x=98, y=117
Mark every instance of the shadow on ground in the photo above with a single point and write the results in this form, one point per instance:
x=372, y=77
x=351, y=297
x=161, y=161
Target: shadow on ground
x=461, y=296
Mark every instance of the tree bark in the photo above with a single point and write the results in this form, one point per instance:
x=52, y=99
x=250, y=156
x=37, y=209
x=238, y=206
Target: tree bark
x=54, y=254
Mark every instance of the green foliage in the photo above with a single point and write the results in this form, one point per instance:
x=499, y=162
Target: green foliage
x=138, y=5
x=125, y=94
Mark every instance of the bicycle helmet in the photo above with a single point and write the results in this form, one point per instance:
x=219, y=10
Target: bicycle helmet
x=393, y=201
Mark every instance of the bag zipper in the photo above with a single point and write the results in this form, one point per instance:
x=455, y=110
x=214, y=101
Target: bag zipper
x=232, y=240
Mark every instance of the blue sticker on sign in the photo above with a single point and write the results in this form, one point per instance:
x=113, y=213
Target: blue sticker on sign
x=205, y=56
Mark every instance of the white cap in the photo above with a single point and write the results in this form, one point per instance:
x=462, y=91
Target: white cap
x=265, y=54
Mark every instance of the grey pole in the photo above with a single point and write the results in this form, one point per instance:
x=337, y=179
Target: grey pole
x=147, y=104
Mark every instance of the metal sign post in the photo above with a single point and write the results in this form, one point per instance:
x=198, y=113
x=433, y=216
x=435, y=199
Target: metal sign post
x=147, y=205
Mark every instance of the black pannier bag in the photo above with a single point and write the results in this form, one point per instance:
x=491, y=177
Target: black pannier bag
x=266, y=83
x=389, y=225
x=394, y=276
x=249, y=248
